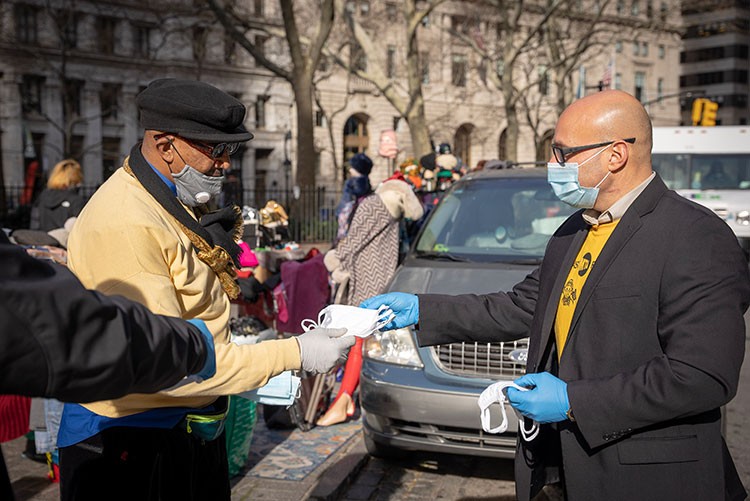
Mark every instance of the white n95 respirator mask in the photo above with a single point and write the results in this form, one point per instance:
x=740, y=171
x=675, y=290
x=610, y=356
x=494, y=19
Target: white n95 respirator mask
x=360, y=322
x=495, y=394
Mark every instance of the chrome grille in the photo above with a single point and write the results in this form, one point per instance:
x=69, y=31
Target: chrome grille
x=481, y=359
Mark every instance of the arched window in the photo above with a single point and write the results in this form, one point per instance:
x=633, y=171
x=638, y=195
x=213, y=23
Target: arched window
x=462, y=143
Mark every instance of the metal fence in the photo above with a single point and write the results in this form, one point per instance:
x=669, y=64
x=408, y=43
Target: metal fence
x=311, y=211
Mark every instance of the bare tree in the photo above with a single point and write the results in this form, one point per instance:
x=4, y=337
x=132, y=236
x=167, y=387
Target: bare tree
x=408, y=100
x=305, y=54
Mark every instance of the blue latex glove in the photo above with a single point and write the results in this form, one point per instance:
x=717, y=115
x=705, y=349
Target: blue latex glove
x=404, y=306
x=546, y=401
x=209, y=368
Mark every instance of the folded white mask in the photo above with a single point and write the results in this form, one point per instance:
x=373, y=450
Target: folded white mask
x=360, y=322
x=495, y=394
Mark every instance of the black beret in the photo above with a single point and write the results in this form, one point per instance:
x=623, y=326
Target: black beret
x=193, y=110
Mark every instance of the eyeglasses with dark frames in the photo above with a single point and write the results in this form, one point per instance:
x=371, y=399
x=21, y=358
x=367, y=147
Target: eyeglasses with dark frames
x=214, y=151
x=562, y=152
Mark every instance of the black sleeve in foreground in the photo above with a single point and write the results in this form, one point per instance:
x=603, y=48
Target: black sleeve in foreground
x=59, y=340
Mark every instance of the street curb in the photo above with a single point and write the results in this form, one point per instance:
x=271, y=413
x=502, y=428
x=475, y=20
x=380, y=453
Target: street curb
x=332, y=482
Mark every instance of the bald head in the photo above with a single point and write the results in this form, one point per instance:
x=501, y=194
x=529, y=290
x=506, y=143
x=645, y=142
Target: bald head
x=612, y=114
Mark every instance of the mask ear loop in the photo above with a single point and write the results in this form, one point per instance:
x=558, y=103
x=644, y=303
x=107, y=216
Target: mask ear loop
x=308, y=324
x=385, y=315
x=486, y=419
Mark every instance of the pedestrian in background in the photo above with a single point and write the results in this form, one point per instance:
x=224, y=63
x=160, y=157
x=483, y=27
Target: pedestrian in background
x=363, y=263
x=146, y=234
x=635, y=318
x=60, y=200
x=356, y=188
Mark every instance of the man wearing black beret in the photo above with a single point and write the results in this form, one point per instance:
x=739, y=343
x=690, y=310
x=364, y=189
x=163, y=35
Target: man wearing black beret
x=146, y=234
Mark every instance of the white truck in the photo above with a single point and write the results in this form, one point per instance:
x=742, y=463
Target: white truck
x=710, y=165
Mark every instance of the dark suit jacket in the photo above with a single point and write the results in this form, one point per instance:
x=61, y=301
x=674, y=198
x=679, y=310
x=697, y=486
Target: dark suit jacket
x=655, y=349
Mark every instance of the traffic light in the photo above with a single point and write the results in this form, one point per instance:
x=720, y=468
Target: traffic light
x=698, y=110
x=709, y=113
x=704, y=112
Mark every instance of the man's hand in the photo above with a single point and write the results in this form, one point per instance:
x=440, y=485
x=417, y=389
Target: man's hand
x=321, y=349
x=405, y=307
x=209, y=368
x=545, y=402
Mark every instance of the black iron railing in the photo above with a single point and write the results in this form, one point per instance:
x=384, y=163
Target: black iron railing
x=311, y=211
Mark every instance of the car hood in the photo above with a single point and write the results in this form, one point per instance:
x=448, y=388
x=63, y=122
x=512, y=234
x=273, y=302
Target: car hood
x=421, y=276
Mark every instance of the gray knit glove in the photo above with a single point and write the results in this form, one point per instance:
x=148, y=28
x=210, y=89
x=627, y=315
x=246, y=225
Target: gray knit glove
x=321, y=349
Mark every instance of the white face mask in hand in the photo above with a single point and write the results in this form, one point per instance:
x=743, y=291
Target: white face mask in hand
x=360, y=322
x=495, y=394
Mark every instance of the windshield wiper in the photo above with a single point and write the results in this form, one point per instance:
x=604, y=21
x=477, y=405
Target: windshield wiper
x=441, y=255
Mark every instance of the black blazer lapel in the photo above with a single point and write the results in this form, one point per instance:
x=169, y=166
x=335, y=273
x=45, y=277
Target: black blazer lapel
x=550, y=300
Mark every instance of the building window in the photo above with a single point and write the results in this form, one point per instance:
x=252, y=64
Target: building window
x=618, y=46
x=644, y=49
x=543, y=80
x=142, y=41
x=662, y=51
x=424, y=63
x=660, y=88
x=105, y=33
x=258, y=8
x=620, y=7
x=458, y=70
x=260, y=44
x=426, y=21
x=636, y=48
x=640, y=86
x=26, y=23
x=635, y=8
x=663, y=11
x=358, y=59
x=649, y=9
x=391, y=11
x=31, y=93
x=364, y=8
x=320, y=118
x=260, y=111
x=67, y=25
x=618, y=81
x=390, y=62
x=111, y=160
x=351, y=7
x=200, y=34
x=72, y=105
x=110, y=97
x=230, y=49
x=396, y=122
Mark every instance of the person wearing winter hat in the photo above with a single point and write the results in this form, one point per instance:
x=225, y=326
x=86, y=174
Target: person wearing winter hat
x=366, y=259
x=147, y=235
x=355, y=189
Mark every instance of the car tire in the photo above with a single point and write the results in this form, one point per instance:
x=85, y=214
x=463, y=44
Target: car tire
x=378, y=450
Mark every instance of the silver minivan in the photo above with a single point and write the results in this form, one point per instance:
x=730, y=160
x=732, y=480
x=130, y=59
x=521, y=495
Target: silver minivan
x=487, y=233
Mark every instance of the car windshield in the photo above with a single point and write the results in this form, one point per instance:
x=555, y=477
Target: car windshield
x=493, y=220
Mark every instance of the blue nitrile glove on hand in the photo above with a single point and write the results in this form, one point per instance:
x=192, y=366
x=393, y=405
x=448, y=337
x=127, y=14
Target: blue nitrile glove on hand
x=546, y=401
x=405, y=307
x=209, y=368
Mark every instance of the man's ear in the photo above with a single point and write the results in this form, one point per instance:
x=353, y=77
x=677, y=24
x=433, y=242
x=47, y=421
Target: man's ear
x=163, y=145
x=618, y=158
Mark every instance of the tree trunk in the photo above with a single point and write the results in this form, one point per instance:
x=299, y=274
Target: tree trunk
x=418, y=130
x=303, y=98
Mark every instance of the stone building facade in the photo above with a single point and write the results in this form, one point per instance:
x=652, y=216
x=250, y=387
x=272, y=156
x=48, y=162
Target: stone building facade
x=69, y=77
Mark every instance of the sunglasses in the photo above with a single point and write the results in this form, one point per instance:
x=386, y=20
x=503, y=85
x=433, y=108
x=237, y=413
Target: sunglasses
x=213, y=151
x=561, y=152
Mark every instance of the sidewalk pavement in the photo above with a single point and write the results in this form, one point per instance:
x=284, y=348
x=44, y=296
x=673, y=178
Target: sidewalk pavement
x=283, y=465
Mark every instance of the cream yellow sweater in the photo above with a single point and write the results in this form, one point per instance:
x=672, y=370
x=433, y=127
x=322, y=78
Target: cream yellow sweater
x=125, y=243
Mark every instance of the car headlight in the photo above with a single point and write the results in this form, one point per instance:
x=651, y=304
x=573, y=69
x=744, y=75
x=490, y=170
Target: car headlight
x=395, y=347
x=743, y=218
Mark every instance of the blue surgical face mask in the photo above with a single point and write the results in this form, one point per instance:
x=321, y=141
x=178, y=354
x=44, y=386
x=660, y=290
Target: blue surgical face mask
x=565, y=184
x=279, y=390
